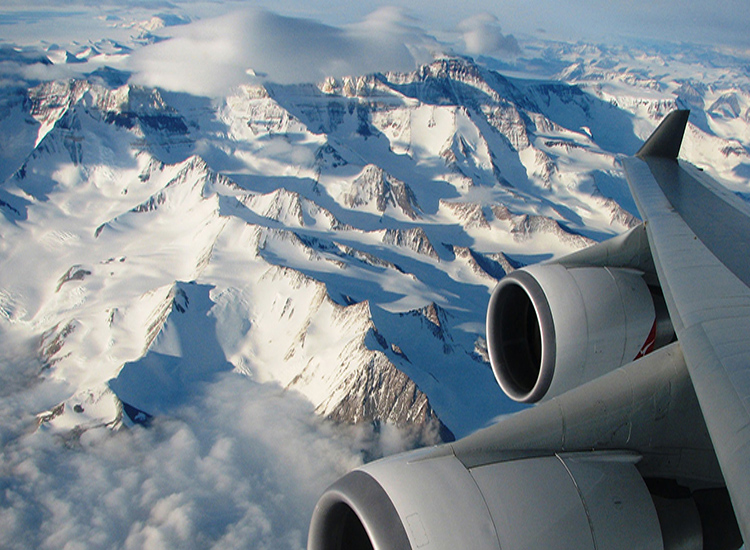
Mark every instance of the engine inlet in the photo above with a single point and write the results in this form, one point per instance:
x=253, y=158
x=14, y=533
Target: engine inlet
x=521, y=337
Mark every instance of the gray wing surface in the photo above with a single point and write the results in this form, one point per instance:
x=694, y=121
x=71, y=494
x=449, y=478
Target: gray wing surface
x=699, y=234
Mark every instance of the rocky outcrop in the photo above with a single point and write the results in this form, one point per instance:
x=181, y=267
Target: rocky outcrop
x=414, y=239
x=376, y=188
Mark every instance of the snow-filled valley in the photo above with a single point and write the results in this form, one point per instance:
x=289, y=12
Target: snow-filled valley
x=267, y=288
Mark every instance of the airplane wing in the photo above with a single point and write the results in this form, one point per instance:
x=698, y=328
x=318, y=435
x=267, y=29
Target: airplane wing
x=699, y=234
x=636, y=354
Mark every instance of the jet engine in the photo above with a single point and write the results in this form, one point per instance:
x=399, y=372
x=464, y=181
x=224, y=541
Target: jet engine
x=551, y=328
x=575, y=501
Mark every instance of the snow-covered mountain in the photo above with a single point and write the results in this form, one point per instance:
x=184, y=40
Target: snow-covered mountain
x=337, y=240
x=313, y=224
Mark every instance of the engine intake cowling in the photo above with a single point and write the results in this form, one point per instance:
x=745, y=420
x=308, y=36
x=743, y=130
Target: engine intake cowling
x=563, y=502
x=551, y=328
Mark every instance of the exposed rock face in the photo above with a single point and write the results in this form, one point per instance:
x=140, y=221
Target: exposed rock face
x=375, y=187
x=292, y=210
x=413, y=239
x=75, y=273
x=469, y=214
x=480, y=264
x=383, y=393
x=527, y=226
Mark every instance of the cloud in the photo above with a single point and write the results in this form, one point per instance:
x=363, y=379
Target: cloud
x=482, y=36
x=211, y=56
x=240, y=467
x=225, y=473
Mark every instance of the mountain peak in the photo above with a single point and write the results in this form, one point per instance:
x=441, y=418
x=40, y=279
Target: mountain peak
x=446, y=81
x=376, y=188
x=463, y=69
x=414, y=239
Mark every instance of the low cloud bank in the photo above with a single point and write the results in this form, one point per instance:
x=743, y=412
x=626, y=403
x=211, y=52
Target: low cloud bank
x=210, y=56
x=242, y=467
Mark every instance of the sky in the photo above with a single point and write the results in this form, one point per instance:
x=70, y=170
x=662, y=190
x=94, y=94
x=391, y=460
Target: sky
x=675, y=20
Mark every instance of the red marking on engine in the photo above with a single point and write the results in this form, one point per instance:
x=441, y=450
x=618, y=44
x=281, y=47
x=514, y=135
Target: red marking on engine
x=649, y=344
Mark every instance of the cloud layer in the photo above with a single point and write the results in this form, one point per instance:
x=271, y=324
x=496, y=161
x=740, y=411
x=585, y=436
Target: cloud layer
x=210, y=56
x=225, y=473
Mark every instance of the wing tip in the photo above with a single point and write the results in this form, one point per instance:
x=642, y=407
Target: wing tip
x=666, y=140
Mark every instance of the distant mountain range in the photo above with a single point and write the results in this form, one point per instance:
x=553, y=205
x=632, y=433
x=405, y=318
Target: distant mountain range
x=340, y=238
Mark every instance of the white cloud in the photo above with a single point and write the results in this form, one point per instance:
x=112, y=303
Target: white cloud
x=209, y=57
x=240, y=467
x=228, y=473
x=482, y=36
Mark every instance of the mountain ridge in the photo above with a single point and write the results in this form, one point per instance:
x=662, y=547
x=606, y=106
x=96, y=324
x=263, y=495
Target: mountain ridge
x=378, y=197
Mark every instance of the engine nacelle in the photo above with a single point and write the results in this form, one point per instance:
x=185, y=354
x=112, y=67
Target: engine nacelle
x=551, y=328
x=563, y=502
